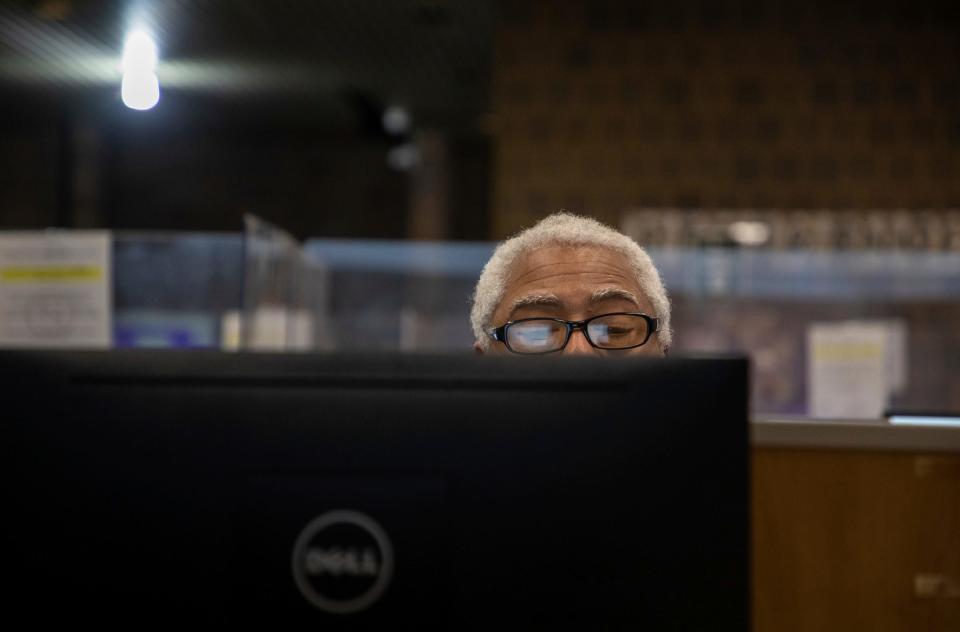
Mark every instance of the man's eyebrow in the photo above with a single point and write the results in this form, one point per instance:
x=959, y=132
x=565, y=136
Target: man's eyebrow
x=539, y=300
x=607, y=293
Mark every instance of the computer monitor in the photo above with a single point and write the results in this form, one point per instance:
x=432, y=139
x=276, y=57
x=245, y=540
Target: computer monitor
x=367, y=491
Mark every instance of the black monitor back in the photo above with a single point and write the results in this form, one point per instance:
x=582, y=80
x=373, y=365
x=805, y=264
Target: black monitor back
x=511, y=492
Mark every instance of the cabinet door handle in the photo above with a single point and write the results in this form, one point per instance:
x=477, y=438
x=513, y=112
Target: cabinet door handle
x=936, y=586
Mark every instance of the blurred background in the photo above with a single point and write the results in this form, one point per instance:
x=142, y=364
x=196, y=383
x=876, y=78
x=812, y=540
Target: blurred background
x=333, y=175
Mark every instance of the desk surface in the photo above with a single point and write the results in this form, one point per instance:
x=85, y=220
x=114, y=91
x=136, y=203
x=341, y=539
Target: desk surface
x=852, y=435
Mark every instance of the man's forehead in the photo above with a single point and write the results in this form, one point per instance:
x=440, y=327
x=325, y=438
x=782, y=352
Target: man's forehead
x=589, y=265
x=570, y=277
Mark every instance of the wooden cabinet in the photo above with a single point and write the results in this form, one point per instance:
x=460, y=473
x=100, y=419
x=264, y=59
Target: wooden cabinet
x=847, y=539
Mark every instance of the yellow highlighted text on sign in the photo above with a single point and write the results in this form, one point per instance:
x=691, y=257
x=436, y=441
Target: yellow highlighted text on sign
x=50, y=274
x=847, y=351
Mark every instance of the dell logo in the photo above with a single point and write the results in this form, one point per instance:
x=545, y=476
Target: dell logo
x=342, y=562
x=337, y=561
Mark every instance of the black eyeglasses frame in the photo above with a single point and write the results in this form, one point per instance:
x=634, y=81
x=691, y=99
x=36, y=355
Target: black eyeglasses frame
x=500, y=333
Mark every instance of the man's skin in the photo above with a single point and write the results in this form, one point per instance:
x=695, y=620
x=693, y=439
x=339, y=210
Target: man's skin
x=573, y=283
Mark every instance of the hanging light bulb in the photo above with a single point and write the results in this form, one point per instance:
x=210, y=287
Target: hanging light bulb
x=139, y=88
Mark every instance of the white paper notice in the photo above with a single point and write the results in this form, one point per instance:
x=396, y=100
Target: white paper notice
x=55, y=289
x=849, y=371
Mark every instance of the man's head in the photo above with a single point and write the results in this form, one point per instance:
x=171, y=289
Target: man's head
x=572, y=268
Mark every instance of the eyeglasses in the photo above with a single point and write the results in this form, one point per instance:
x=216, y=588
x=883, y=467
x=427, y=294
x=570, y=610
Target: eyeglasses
x=620, y=330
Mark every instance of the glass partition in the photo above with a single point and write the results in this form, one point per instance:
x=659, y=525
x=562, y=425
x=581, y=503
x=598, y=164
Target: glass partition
x=175, y=289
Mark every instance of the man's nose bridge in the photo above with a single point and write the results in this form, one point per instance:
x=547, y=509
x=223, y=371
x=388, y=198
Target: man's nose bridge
x=578, y=342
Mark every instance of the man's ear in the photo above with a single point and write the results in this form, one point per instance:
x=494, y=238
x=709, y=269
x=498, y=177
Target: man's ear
x=477, y=349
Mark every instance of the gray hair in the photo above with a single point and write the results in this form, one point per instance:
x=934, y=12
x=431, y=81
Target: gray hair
x=564, y=229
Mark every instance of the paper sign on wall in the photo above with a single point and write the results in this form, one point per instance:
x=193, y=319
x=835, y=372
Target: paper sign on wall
x=55, y=289
x=853, y=367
